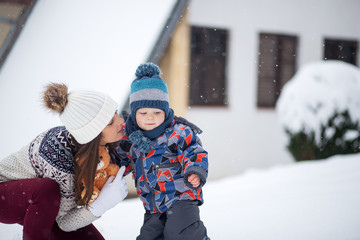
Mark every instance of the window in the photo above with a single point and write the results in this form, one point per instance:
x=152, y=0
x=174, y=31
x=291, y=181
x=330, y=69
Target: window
x=277, y=61
x=208, y=64
x=341, y=50
x=13, y=14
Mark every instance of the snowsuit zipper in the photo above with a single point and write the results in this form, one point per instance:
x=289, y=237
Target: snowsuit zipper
x=147, y=184
x=165, y=165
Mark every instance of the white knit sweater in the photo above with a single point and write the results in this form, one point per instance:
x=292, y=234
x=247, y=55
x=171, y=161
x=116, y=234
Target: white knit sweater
x=49, y=155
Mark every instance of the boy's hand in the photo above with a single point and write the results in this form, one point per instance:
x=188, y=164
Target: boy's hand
x=194, y=180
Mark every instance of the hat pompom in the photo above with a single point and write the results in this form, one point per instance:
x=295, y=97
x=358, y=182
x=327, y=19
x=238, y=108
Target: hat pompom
x=147, y=70
x=55, y=97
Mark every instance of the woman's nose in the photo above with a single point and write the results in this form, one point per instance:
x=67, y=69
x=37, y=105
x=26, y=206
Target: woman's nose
x=120, y=120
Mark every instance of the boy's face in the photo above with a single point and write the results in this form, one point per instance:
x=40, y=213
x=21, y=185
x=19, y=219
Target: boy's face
x=149, y=118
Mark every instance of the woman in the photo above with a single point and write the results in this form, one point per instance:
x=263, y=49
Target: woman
x=41, y=185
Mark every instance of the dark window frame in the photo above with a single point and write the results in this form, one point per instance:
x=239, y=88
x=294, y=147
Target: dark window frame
x=208, y=63
x=277, y=63
x=341, y=49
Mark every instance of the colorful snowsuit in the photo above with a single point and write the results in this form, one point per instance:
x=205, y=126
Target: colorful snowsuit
x=161, y=175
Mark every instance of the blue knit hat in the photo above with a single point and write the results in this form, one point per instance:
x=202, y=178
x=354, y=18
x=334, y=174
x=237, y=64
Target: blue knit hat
x=148, y=90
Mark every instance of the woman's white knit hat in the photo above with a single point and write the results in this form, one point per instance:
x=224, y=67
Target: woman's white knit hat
x=84, y=113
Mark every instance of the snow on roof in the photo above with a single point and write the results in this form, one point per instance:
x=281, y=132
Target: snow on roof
x=84, y=43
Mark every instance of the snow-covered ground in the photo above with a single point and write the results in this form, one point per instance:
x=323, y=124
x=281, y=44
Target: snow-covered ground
x=314, y=200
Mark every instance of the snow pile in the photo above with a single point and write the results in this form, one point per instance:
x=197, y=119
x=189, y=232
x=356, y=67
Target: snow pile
x=318, y=91
x=311, y=200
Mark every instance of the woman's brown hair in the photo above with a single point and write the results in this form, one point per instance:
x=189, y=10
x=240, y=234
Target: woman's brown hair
x=86, y=161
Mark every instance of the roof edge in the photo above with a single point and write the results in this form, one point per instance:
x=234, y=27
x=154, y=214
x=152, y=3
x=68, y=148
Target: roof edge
x=167, y=31
x=164, y=38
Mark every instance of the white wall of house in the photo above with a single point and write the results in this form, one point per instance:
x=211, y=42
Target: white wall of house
x=240, y=135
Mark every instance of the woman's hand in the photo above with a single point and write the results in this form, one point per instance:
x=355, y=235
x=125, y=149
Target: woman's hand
x=113, y=192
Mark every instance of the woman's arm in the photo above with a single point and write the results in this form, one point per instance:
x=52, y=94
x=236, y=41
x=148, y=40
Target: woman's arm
x=71, y=217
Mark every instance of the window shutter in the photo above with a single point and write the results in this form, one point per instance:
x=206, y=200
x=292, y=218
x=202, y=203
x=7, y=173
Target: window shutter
x=208, y=63
x=277, y=61
x=343, y=50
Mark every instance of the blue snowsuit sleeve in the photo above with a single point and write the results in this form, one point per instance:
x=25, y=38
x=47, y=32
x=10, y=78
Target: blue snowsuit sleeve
x=193, y=156
x=121, y=156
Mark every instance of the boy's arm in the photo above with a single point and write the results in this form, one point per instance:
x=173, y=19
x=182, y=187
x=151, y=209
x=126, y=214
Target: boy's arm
x=193, y=157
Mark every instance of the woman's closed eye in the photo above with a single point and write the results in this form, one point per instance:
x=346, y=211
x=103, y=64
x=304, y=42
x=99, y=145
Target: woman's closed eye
x=111, y=122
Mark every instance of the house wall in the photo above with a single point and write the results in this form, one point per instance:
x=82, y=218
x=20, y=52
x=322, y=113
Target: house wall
x=240, y=135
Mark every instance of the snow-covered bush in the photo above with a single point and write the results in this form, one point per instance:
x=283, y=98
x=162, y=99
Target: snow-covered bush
x=319, y=110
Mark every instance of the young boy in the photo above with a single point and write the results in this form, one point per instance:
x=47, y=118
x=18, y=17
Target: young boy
x=167, y=159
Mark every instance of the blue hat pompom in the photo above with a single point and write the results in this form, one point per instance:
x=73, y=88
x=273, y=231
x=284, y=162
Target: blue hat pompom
x=147, y=70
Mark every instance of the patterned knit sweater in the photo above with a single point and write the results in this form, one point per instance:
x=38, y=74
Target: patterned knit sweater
x=49, y=155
